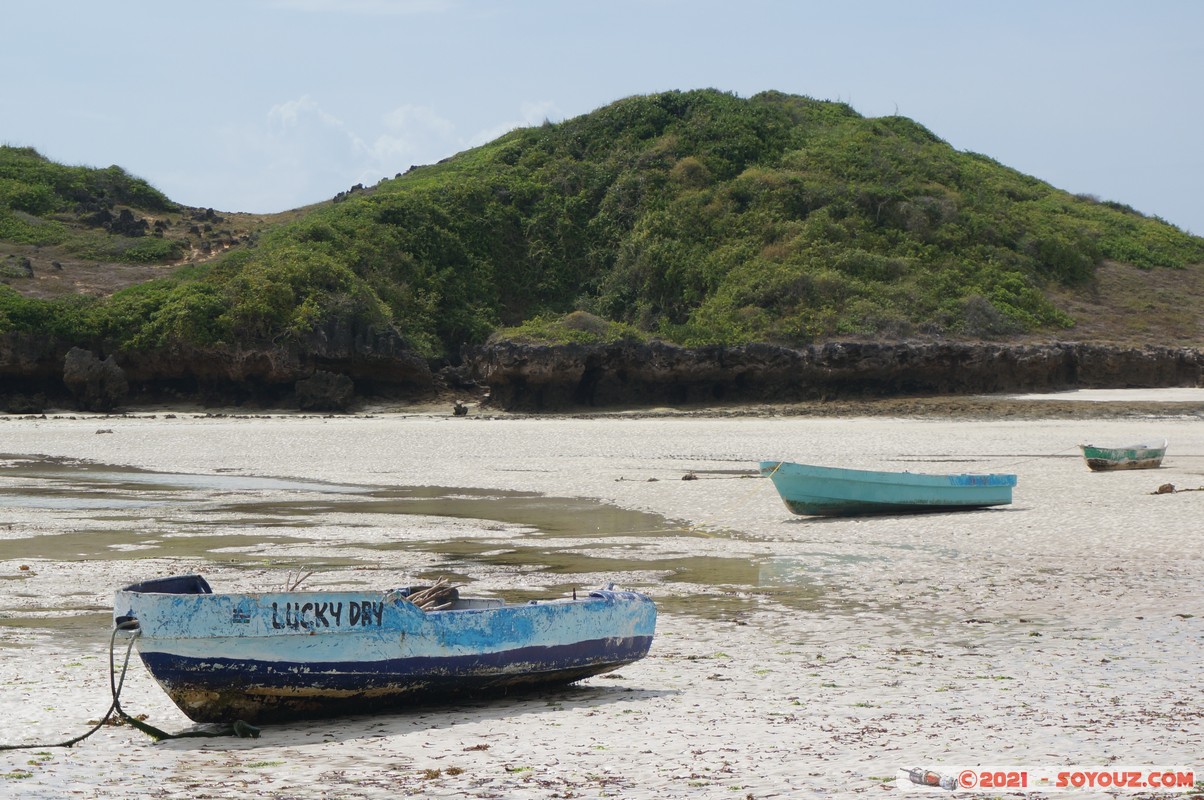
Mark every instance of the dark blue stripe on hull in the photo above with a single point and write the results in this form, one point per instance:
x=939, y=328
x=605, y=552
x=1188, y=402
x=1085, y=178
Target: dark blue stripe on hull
x=223, y=690
x=851, y=508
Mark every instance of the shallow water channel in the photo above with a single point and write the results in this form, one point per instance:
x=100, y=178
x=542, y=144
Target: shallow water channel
x=58, y=510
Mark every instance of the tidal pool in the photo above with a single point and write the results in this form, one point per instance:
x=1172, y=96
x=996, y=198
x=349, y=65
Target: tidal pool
x=63, y=510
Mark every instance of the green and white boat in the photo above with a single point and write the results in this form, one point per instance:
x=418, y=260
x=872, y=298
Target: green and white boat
x=1133, y=456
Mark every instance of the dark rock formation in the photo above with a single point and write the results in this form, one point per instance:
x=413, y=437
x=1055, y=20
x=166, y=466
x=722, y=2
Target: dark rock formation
x=123, y=223
x=127, y=224
x=24, y=404
x=539, y=377
x=457, y=378
x=101, y=218
x=13, y=267
x=30, y=364
x=340, y=365
x=97, y=385
x=325, y=391
x=378, y=364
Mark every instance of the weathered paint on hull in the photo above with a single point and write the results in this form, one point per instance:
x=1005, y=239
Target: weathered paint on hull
x=831, y=491
x=288, y=655
x=1108, y=459
x=834, y=508
x=1106, y=465
x=223, y=690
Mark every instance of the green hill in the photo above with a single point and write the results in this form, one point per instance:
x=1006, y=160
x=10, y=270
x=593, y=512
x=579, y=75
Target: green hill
x=694, y=217
x=79, y=211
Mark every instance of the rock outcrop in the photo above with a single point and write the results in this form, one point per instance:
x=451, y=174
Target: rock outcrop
x=96, y=385
x=540, y=377
x=265, y=375
x=334, y=369
x=325, y=391
x=377, y=363
x=24, y=404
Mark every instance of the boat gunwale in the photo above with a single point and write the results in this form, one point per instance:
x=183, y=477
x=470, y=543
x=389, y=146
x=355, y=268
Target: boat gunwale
x=1145, y=450
x=900, y=477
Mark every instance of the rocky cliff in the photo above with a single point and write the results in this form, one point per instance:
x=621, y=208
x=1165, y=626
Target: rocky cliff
x=336, y=370
x=42, y=371
x=534, y=377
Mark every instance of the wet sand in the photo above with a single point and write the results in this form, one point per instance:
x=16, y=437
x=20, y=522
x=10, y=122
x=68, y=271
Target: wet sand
x=795, y=657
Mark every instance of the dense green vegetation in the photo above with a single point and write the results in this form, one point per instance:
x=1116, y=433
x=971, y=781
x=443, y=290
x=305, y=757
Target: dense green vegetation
x=38, y=197
x=698, y=217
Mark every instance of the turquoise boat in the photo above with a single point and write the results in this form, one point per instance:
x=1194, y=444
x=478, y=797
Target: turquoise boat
x=1132, y=456
x=299, y=654
x=816, y=490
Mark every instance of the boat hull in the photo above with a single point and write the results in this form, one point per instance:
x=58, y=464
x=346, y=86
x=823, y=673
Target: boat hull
x=1138, y=456
x=830, y=491
x=293, y=655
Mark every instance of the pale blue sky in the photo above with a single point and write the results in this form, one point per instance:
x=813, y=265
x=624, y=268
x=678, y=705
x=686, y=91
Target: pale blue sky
x=266, y=105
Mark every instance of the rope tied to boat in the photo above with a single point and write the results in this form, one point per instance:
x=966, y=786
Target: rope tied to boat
x=1027, y=459
x=238, y=728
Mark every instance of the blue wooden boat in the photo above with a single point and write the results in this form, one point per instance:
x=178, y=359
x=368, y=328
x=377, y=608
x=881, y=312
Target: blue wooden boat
x=1131, y=456
x=297, y=654
x=817, y=490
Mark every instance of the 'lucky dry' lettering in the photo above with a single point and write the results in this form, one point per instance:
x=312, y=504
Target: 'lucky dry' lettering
x=310, y=616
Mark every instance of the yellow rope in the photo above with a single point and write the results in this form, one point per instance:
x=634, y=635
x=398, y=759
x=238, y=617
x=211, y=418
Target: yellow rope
x=745, y=501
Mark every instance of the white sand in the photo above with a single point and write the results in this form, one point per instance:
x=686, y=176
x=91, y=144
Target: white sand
x=1063, y=630
x=1183, y=394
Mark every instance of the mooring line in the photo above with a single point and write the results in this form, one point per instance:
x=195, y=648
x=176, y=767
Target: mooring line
x=113, y=707
x=747, y=498
x=238, y=728
x=1035, y=458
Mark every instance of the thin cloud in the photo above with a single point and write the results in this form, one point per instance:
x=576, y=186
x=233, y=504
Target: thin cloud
x=530, y=115
x=290, y=114
x=303, y=124
x=413, y=134
x=299, y=152
x=367, y=7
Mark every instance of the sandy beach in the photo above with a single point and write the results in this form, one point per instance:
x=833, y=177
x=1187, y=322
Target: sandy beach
x=794, y=657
